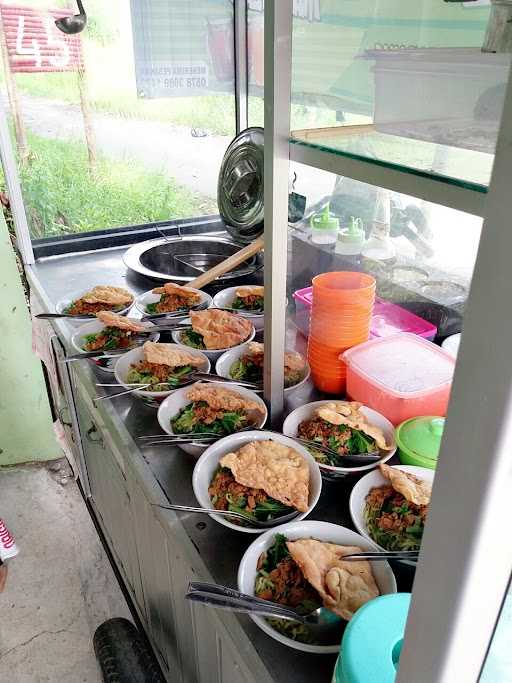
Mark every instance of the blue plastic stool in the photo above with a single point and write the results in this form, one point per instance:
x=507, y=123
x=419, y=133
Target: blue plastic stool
x=372, y=641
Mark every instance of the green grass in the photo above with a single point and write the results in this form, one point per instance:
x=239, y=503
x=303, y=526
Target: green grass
x=63, y=197
x=215, y=113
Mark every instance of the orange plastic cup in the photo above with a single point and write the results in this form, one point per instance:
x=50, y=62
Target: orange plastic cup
x=338, y=338
x=344, y=287
x=325, y=334
x=329, y=385
x=324, y=354
x=339, y=313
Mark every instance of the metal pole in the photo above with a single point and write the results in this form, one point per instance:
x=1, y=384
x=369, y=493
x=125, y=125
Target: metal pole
x=12, y=179
x=241, y=68
x=278, y=43
x=466, y=560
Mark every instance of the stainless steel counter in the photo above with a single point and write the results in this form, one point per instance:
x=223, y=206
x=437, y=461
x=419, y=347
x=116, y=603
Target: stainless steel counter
x=164, y=473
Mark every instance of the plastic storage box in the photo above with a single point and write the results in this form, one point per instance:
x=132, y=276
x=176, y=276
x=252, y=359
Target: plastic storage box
x=388, y=319
x=402, y=376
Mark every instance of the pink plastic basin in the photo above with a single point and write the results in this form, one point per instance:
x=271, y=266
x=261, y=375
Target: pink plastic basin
x=388, y=319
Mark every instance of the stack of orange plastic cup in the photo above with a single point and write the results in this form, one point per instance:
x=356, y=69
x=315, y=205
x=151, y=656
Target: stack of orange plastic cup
x=341, y=316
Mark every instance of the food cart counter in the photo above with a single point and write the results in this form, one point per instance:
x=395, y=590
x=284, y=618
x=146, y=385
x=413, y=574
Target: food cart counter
x=156, y=551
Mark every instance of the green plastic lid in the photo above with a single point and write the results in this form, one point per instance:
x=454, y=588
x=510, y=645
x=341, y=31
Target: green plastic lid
x=324, y=220
x=421, y=437
x=354, y=233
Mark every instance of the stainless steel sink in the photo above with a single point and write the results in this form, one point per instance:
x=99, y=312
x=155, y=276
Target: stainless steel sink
x=182, y=259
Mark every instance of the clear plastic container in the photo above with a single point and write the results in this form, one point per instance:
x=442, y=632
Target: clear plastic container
x=402, y=376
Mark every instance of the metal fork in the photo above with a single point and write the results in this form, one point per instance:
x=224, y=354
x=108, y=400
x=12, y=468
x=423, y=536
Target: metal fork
x=226, y=513
x=359, y=459
x=176, y=314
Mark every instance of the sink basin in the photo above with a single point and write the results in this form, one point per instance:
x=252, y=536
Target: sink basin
x=182, y=259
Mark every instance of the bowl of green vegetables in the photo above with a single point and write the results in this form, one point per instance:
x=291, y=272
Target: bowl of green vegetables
x=365, y=431
x=213, y=408
x=158, y=380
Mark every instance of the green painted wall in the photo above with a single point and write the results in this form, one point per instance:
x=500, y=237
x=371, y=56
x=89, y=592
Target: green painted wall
x=26, y=432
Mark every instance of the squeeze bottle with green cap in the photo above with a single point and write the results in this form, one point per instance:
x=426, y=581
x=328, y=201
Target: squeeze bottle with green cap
x=351, y=240
x=324, y=227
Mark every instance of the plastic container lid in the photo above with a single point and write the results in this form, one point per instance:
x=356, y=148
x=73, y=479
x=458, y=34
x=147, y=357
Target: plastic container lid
x=421, y=436
x=389, y=319
x=325, y=220
x=404, y=365
x=372, y=642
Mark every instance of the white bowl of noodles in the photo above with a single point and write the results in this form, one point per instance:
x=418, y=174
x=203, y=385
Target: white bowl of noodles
x=251, y=562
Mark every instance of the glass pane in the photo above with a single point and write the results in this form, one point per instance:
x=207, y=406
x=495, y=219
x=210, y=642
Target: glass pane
x=409, y=85
x=498, y=665
x=421, y=257
x=126, y=123
x=305, y=114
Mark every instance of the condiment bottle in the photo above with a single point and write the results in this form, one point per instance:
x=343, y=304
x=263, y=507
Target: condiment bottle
x=351, y=240
x=324, y=227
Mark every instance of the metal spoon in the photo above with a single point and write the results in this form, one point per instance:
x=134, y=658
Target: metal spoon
x=55, y=316
x=382, y=555
x=325, y=626
x=93, y=354
x=74, y=24
x=237, y=515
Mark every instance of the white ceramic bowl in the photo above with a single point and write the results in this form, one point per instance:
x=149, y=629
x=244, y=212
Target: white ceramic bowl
x=305, y=412
x=321, y=531
x=178, y=400
x=151, y=398
x=207, y=464
x=149, y=298
x=225, y=298
x=93, y=327
x=370, y=481
x=229, y=357
x=212, y=354
x=74, y=296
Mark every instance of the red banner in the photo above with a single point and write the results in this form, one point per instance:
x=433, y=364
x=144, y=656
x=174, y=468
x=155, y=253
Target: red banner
x=35, y=44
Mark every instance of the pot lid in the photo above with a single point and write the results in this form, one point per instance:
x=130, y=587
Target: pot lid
x=421, y=436
x=240, y=186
